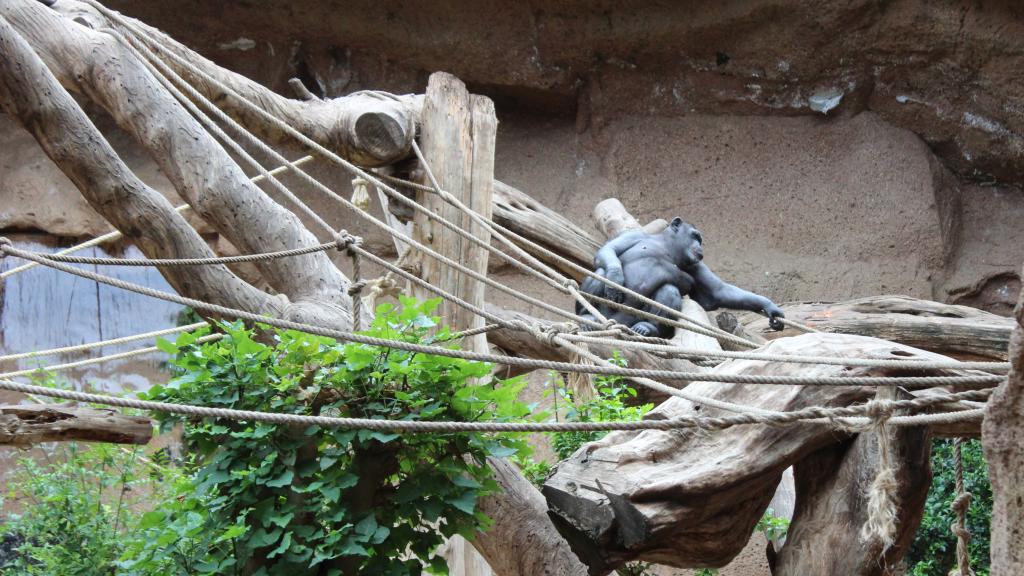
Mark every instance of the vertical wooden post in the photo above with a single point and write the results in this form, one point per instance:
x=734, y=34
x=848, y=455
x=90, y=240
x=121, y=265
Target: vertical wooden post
x=1002, y=436
x=457, y=139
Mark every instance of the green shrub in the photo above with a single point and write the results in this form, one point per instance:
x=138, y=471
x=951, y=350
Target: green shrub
x=277, y=499
x=77, y=508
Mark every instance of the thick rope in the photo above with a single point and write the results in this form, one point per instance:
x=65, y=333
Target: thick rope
x=960, y=505
x=883, y=499
x=102, y=343
x=899, y=364
x=825, y=416
x=533, y=363
x=350, y=245
x=97, y=360
x=116, y=234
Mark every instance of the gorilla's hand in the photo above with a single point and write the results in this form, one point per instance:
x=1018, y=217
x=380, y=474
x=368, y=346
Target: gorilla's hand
x=613, y=293
x=645, y=329
x=774, y=313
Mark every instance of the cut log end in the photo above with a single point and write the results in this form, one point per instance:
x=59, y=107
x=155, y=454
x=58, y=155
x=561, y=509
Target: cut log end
x=380, y=139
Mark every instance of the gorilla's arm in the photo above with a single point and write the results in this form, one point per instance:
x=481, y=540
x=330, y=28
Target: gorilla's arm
x=607, y=259
x=711, y=293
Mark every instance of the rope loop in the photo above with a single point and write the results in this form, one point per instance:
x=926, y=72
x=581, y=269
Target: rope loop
x=5, y=243
x=570, y=285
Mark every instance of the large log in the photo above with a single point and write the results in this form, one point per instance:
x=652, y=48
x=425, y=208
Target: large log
x=25, y=425
x=961, y=332
x=523, y=215
x=368, y=128
x=692, y=499
x=831, y=506
x=518, y=343
x=32, y=95
x=1003, y=441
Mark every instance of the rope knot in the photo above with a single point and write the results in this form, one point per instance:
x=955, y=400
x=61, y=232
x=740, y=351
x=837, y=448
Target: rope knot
x=961, y=503
x=5, y=243
x=554, y=330
x=356, y=287
x=571, y=285
x=879, y=411
x=346, y=241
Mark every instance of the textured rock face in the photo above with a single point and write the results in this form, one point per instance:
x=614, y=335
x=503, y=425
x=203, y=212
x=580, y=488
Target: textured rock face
x=703, y=110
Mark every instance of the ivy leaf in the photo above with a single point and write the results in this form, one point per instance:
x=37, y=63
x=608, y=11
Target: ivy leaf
x=465, y=501
x=283, y=546
x=367, y=526
x=283, y=480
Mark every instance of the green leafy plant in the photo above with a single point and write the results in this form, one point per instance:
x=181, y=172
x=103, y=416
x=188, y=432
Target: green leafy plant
x=773, y=527
x=609, y=403
x=933, y=552
x=277, y=499
x=77, y=509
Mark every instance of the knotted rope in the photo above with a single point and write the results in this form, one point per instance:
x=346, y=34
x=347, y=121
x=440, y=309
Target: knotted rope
x=960, y=505
x=882, y=496
x=350, y=245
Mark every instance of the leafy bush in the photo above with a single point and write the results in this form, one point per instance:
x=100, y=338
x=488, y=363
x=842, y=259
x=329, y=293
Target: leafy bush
x=933, y=552
x=77, y=509
x=276, y=499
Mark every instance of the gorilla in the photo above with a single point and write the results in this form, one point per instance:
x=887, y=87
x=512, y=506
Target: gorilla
x=664, y=267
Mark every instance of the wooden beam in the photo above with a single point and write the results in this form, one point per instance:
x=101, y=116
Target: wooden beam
x=458, y=140
x=25, y=425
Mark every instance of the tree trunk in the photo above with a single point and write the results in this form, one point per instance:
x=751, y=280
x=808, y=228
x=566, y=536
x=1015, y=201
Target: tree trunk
x=101, y=67
x=368, y=128
x=692, y=499
x=831, y=506
x=31, y=94
x=1003, y=441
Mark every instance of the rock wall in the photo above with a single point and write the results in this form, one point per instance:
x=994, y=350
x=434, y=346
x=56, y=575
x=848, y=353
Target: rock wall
x=910, y=184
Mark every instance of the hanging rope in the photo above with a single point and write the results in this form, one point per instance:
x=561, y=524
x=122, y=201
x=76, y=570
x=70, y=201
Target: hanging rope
x=960, y=505
x=349, y=244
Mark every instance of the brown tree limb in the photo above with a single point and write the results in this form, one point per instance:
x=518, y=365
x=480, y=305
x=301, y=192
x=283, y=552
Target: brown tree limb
x=99, y=66
x=691, y=499
x=31, y=94
x=25, y=425
x=961, y=332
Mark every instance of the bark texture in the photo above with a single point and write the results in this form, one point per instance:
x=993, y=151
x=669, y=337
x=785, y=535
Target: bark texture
x=25, y=425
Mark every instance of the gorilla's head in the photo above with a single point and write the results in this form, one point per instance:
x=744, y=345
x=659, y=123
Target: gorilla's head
x=686, y=243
